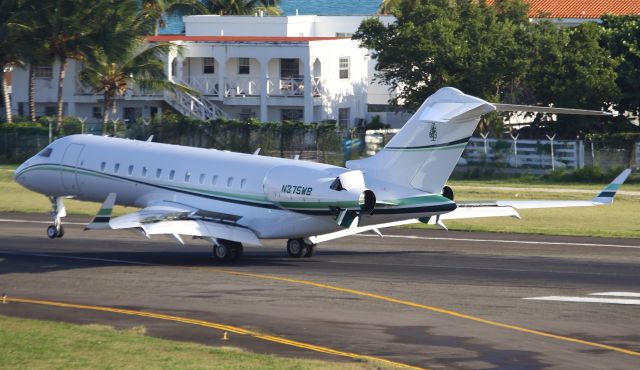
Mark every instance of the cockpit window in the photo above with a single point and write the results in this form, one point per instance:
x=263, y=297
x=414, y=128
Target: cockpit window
x=46, y=152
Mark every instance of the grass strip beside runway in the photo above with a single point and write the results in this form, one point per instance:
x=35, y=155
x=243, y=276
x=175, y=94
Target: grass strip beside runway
x=618, y=220
x=113, y=348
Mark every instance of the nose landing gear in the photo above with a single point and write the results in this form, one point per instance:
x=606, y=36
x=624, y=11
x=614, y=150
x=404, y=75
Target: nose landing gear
x=57, y=212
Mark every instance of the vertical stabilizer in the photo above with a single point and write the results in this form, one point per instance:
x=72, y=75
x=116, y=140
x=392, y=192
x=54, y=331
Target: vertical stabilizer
x=425, y=151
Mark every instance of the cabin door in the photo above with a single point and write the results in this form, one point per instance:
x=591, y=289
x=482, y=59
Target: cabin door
x=69, y=171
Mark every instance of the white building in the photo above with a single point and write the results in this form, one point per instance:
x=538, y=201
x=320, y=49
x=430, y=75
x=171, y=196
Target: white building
x=270, y=68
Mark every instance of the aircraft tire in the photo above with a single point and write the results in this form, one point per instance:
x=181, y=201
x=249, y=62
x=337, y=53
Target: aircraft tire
x=236, y=251
x=296, y=248
x=52, y=232
x=221, y=252
x=310, y=251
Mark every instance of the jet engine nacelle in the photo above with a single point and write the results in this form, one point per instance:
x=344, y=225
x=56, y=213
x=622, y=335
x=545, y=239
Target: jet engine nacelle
x=294, y=187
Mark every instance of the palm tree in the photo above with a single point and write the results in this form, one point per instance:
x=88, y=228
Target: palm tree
x=154, y=10
x=10, y=25
x=242, y=7
x=71, y=31
x=123, y=60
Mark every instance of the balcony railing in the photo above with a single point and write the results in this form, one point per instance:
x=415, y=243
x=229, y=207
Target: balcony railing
x=239, y=86
x=250, y=86
x=205, y=85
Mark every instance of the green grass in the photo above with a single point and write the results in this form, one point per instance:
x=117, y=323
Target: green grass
x=15, y=198
x=619, y=220
x=35, y=344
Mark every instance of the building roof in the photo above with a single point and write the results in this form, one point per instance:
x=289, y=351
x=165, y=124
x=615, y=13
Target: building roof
x=274, y=39
x=581, y=9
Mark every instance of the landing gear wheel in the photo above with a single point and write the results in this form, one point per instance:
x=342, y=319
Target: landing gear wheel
x=296, y=248
x=61, y=232
x=221, y=252
x=52, y=232
x=227, y=250
x=311, y=250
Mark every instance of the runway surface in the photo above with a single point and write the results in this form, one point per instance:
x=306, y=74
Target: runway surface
x=425, y=298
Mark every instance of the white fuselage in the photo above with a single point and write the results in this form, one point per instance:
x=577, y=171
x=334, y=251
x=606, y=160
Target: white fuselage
x=142, y=173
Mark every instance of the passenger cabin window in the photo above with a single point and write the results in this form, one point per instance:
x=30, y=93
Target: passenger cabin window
x=144, y=171
x=172, y=174
x=130, y=169
x=158, y=173
x=243, y=183
x=116, y=168
x=214, y=180
x=202, y=176
x=187, y=176
x=103, y=165
x=229, y=182
x=46, y=152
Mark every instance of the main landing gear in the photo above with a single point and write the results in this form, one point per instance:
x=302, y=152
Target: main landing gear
x=299, y=248
x=227, y=250
x=57, y=212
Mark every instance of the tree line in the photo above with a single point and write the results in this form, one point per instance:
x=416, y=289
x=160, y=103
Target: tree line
x=107, y=36
x=495, y=52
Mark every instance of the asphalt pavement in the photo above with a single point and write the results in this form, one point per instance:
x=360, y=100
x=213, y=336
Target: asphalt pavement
x=426, y=298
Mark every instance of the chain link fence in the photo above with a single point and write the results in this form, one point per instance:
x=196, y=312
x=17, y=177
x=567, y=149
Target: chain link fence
x=329, y=145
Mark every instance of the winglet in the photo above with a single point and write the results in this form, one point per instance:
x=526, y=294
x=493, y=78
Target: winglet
x=102, y=218
x=607, y=194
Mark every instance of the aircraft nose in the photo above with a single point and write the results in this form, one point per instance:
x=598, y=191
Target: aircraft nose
x=18, y=174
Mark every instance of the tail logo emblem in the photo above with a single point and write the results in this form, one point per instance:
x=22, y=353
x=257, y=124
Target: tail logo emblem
x=433, y=132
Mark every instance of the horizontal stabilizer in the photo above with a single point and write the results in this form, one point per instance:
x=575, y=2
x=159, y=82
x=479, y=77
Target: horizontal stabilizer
x=533, y=108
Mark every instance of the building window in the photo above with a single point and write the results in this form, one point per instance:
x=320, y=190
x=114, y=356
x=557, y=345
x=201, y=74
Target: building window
x=187, y=176
x=343, y=117
x=172, y=174
x=244, y=66
x=343, y=65
x=289, y=68
x=50, y=111
x=43, y=71
x=246, y=114
x=344, y=34
x=291, y=114
x=131, y=114
x=208, y=66
x=96, y=112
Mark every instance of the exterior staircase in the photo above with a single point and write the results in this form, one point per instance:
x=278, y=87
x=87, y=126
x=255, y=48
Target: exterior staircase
x=193, y=106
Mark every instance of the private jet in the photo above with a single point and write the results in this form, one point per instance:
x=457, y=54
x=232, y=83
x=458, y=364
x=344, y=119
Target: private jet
x=234, y=200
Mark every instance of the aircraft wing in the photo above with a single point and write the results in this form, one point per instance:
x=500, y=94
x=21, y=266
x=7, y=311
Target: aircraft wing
x=500, y=208
x=175, y=219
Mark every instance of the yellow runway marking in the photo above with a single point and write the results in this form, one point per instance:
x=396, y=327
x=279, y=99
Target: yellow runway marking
x=213, y=325
x=381, y=298
x=428, y=308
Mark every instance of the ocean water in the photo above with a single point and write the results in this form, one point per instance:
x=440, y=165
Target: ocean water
x=330, y=7
x=304, y=7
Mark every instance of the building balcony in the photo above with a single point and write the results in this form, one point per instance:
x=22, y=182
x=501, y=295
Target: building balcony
x=251, y=87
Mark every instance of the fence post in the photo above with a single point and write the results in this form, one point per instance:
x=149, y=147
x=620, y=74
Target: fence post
x=484, y=140
x=82, y=121
x=553, y=161
x=515, y=147
x=50, y=133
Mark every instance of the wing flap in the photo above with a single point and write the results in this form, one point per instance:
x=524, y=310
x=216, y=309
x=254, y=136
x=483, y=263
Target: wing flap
x=205, y=229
